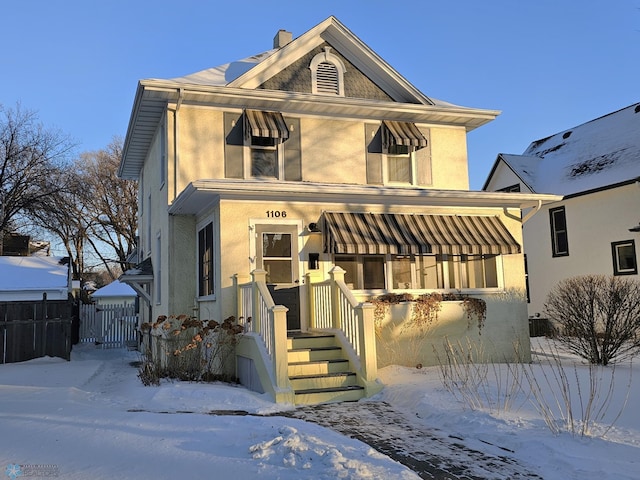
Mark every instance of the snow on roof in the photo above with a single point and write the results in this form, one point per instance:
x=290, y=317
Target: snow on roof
x=601, y=152
x=223, y=74
x=32, y=273
x=114, y=289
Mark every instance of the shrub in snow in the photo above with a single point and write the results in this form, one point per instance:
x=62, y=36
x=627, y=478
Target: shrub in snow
x=185, y=348
x=597, y=317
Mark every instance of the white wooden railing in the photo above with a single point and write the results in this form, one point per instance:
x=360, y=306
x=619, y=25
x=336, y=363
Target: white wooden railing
x=333, y=306
x=261, y=316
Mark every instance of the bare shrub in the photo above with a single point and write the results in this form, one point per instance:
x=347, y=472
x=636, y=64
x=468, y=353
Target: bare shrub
x=598, y=317
x=571, y=397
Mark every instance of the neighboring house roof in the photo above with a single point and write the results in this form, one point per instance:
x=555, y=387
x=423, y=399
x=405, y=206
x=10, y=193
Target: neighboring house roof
x=114, y=289
x=244, y=84
x=27, y=278
x=595, y=155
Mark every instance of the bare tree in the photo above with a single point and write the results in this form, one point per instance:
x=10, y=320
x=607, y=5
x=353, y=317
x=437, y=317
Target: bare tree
x=598, y=316
x=30, y=160
x=111, y=203
x=64, y=214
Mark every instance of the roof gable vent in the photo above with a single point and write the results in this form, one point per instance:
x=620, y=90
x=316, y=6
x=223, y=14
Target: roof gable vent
x=327, y=78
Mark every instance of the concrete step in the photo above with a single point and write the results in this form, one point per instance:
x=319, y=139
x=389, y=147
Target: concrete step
x=318, y=368
x=314, y=354
x=329, y=395
x=326, y=381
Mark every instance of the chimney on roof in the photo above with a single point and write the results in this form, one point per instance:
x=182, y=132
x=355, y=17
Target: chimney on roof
x=282, y=38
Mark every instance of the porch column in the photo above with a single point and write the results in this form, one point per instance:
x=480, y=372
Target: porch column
x=280, y=353
x=368, y=353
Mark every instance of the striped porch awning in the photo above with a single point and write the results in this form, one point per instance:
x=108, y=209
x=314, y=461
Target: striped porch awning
x=402, y=133
x=266, y=124
x=405, y=234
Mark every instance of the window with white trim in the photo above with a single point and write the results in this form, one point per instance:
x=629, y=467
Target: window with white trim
x=327, y=74
x=559, y=238
x=624, y=258
x=399, y=164
x=205, y=261
x=420, y=272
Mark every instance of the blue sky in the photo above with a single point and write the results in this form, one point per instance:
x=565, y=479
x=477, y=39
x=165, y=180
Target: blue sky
x=547, y=65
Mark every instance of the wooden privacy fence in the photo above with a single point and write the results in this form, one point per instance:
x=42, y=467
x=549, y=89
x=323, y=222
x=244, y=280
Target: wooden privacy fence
x=33, y=329
x=109, y=326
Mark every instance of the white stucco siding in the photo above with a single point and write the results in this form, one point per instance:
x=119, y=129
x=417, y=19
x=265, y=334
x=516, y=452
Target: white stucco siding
x=593, y=222
x=200, y=145
x=449, y=158
x=333, y=150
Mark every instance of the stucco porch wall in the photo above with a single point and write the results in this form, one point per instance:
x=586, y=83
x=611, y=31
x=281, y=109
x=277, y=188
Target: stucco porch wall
x=504, y=336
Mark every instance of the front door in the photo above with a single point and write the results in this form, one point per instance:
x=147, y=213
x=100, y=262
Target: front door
x=277, y=254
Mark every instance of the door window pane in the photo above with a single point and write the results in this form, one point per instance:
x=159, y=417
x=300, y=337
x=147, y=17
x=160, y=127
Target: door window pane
x=276, y=257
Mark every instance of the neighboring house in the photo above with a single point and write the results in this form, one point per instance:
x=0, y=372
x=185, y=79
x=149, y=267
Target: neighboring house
x=593, y=229
x=314, y=155
x=35, y=308
x=115, y=293
x=30, y=278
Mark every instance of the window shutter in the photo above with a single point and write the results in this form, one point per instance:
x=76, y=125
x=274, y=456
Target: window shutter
x=373, y=142
x=292, y=151
x=422, y=157
x=327, y=78
x=233, y=146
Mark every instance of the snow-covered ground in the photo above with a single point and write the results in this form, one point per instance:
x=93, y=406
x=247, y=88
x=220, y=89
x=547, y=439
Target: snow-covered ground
x=92, y=419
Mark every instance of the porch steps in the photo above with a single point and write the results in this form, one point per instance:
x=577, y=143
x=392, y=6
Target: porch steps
x=319, y=371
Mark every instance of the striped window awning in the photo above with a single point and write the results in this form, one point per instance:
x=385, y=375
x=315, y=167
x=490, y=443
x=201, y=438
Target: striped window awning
x=406, y=234
x=266, y=124
x=402, y=133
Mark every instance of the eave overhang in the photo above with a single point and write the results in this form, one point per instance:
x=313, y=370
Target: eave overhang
x=153, y=96
x=201, y=194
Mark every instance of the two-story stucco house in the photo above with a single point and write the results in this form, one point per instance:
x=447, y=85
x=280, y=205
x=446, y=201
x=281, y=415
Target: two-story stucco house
x=288, y=188
x=595, y=167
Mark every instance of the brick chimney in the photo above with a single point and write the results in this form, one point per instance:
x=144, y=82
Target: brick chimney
x=282, y=38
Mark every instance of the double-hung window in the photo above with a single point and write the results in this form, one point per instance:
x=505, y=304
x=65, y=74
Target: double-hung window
x=399, y=164
x=265, y=132
x=624, y=258
x=205, y=261
x=559, y=238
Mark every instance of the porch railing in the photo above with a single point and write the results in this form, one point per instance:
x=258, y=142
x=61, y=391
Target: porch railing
x=333, y=306
x=259, y=315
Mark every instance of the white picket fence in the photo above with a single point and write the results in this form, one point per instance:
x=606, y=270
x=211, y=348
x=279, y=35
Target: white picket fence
x=109, y=326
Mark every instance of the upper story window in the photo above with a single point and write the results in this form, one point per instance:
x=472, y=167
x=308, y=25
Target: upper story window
x=399, y=142
x=624, y=258
x=327, y=74
x=265, y=132
x=559, y=238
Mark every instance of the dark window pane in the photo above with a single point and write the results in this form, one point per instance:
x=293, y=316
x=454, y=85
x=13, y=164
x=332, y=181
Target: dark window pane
x=373, y=272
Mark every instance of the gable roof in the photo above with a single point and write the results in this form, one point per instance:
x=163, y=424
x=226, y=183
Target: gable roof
x=115, y=289
x=237, y=85
x=598, y=154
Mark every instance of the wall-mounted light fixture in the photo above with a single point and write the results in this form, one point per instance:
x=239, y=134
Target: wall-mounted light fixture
x=313, y=228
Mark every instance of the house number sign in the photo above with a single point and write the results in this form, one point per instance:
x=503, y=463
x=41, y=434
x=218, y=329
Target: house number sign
x=276, y=213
